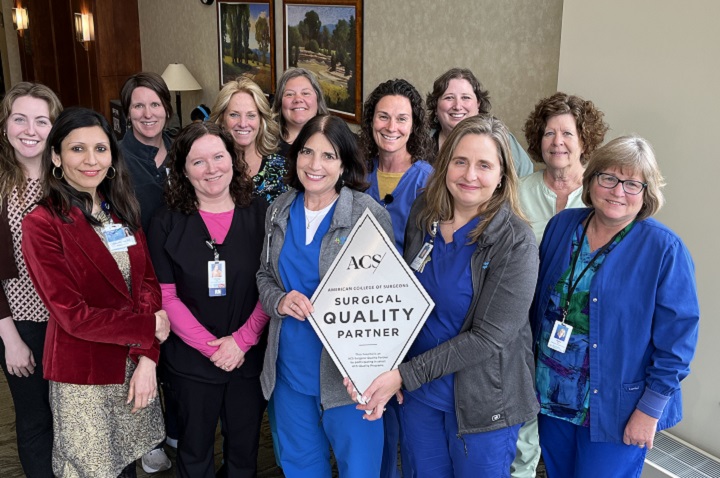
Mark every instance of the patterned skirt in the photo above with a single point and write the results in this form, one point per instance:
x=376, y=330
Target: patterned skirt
x=95, y=435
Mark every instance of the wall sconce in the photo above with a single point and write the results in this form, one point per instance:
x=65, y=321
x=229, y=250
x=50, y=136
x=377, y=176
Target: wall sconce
x=84, y=31
x=20, y=18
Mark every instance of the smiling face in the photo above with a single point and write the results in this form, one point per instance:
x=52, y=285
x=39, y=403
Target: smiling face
x=27, y=127
x=561, y=145
x=474, y=172
x=456, y=103
x=392, y=124
x=299, y=102
x=147, y=115
x=318, y=167
x=84, y=157
x=614, y=207
x=242, y=119
x=208, y=167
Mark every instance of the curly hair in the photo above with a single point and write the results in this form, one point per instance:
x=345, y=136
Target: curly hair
x=59, y=196
x=631, y=154
x=179, y=192
x=11, y=171
x=266, y=141
x=442, y=83
x=280, y=92
x=588, y=119
x=150, y=80
x=419, y=143
x=439, y=204
x=344, y=142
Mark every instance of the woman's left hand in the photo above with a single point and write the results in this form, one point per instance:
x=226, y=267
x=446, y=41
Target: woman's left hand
x=143, y=385
x=228, y=355
x=640, y=430
x=378, y=393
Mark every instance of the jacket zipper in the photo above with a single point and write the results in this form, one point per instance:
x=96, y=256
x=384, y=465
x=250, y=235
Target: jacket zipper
x=269, y=239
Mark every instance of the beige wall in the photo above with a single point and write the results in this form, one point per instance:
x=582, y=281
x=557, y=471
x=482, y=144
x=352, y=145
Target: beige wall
x=653, y=66
x=512, y=46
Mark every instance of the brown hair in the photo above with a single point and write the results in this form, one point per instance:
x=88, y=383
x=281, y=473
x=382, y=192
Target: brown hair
x=588, y=119
x=179, y=192
x=11, y=171
x=280, y=92
x=418, y=144
x=344, y=142
x=149, y=80
x=439, y=205
x=441, y=84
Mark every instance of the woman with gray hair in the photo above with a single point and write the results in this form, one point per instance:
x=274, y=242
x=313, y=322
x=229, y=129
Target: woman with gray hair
x=298, y=99
x=623, y=286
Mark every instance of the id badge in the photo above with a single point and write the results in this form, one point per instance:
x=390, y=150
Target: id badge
x=216, y=279
x=422, y=258
x=118, y=238
x=560, y=336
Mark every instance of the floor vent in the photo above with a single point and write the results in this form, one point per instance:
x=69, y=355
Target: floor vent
x=675, y=458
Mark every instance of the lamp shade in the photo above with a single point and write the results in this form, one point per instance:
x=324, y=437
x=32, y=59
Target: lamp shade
x=178, y=78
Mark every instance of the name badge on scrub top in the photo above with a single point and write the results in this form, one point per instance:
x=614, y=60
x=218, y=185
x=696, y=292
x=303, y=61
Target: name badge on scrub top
x=423, y=257
x=217, y=279
x=118, y=237
x=560, y=336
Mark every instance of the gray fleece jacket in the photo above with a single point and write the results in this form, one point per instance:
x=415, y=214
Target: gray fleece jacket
x=350, y=206
x=492, y=355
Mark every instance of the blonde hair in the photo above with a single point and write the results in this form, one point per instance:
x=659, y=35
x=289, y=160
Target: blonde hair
x=439, y=205
x=268, y=136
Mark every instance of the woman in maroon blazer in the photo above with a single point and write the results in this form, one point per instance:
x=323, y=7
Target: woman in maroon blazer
x=89, y=262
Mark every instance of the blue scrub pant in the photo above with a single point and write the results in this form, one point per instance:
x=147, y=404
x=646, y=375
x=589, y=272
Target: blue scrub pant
x=434, y=449
x=394, y=436
x=568, y=452
x=306, y=432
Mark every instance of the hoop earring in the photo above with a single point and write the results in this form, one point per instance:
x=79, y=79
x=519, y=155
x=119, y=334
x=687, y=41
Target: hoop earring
x=114, y=173
x=54, y=172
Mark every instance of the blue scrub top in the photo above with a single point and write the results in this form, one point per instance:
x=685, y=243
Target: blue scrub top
x=448, y=280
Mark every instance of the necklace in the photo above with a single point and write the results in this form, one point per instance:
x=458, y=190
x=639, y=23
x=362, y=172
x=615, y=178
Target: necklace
x=320, y=212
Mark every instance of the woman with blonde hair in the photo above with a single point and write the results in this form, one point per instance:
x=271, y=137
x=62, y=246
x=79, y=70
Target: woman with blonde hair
x=26, y=116
x=242, y=109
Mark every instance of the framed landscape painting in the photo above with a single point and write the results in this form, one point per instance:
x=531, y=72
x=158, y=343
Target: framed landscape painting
x=246, y=42
x=325, y=37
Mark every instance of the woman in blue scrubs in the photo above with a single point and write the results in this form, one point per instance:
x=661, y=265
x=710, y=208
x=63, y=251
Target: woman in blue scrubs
x=305, y=229
x=468, y=380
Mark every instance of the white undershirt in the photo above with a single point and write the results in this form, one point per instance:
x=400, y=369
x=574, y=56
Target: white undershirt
x=313, y=220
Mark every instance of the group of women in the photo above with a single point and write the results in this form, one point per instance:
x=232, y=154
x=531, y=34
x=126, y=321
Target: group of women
x=592, y=331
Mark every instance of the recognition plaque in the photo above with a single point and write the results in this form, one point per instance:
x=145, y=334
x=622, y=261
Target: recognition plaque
x=369, y=307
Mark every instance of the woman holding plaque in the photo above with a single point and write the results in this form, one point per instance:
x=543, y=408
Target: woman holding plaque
x=305, y=229
x=468, y=379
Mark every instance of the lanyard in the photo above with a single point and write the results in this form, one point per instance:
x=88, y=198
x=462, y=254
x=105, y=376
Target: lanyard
x=211, y=246
x=573, y=285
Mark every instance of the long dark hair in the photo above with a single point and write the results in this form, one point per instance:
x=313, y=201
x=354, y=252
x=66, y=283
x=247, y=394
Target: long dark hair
x=345, y=143
x=179, y=191
x=419, y=143
x=59, y=197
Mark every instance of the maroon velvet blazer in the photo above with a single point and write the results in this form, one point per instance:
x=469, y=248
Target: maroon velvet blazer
x=94, y=322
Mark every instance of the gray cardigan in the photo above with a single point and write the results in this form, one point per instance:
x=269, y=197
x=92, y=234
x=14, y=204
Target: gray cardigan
x=350, y=206
x=491, y=356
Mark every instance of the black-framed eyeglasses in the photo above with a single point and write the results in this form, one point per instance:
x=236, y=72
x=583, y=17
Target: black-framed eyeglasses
x=630, y=186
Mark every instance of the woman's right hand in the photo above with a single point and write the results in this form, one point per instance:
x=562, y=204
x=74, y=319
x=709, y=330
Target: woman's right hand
x=295, y=305
x=162, y=326
x=19, y=358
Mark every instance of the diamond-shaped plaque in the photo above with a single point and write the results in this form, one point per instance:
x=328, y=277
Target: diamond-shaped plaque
x=369, y=307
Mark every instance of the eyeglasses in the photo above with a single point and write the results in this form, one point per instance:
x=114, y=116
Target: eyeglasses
x=630, y=186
